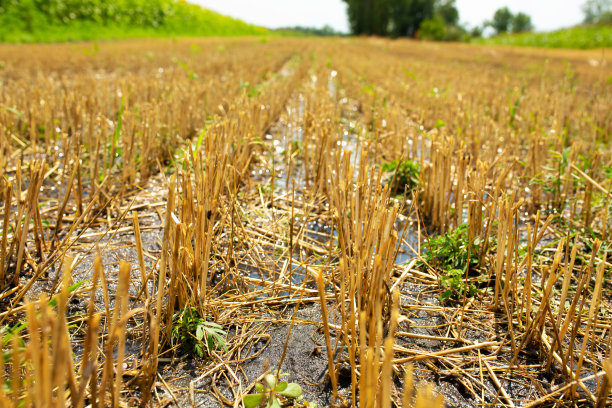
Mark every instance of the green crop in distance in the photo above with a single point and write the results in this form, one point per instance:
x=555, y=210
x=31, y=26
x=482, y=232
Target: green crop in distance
x=73, y=20
x=581, y=37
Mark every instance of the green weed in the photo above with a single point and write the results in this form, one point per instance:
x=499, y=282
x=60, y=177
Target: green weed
x=456, y=259
x=268, y=393
x=294, y=149
x=252, y=91
x=405, y=177
x=195, y=333
x=455, y=285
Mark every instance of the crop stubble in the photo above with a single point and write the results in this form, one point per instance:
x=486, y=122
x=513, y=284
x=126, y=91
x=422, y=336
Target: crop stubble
x=241, y=177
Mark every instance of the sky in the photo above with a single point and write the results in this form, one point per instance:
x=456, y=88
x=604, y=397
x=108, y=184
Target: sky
x=546, y=15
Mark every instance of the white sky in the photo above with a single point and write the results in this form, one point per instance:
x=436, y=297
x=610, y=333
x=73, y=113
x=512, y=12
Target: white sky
x=545, y=14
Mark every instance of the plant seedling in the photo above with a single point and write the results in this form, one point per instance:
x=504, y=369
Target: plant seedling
x=268, y=393
x=455, y=285
x=406, y=175
x=455, y=258
x=195, y=333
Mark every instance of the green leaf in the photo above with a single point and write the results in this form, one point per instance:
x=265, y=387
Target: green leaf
x=368, y=89
x=446, y=294
x=200, y=332
x=12, y=331
x=252, y=400
x=72, y=288
x=273, y=403
x=213, y=325
x=409, y=74
x=15, y=111
x=279, y=373
x=293, y=390
x=565, y=156
x=281, y=386
x=199, y=142
x=259, y=387
x=270, y=380
x=221, y=342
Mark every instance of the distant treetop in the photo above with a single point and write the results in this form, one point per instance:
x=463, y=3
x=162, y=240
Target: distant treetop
x=597, y=11
x=400, y=18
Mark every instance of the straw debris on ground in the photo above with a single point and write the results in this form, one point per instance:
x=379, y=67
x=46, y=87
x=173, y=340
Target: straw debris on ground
x=391, y=223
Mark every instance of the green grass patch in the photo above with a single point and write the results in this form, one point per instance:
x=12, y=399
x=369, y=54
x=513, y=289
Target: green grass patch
x=404, y=175
x=78, y=20
x=580, y=37
x=456, y=259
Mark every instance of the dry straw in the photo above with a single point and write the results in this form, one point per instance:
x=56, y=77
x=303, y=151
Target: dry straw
x=243, y=177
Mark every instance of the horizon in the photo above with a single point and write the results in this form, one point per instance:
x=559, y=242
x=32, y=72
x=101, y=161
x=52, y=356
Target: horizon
x=319, y=13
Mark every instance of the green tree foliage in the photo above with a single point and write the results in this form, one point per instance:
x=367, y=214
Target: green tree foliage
x=605, y=18
x=521, y=23
x=597, y=11
x=369, y=17
x=402, y=18
x=33, y=19
x=447, y=11
x=444, y=25
x=476, y=32
x=433, y=29
x=408, y=16
x=502, y=20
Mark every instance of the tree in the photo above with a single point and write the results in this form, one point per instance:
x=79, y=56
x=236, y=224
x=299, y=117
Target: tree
x=447, y=11
x=502, y=20
x=433, y=29
x=521, y=22
x=369, y=17
x=403, y=18
x=596, y=11
x=605, y=18
x=407, y=16
x=476, y=32
x=389, y=17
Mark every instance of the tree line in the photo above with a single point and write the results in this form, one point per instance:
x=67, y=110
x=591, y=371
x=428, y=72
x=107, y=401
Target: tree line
x=439, y=19
x=398, y=18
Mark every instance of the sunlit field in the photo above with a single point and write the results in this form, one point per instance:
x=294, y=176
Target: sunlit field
x=291, y=222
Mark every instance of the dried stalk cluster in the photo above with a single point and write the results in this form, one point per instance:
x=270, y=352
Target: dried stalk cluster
x=240, y=177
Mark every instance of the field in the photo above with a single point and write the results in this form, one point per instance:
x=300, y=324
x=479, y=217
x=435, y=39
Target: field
x=387, y=222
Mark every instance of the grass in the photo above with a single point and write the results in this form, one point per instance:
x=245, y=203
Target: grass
x=405, y=175
x=456, y=256
x=579, y=37
x=236, y=196
x=59, y=21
